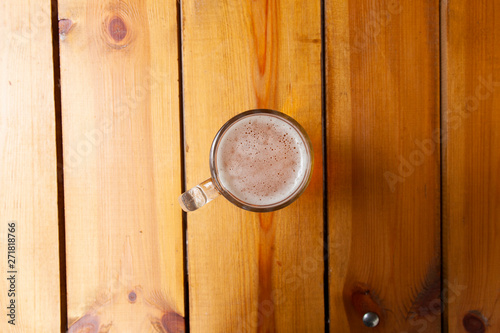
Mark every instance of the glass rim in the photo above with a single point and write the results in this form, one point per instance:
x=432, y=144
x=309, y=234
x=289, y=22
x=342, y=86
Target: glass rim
x=261, y=208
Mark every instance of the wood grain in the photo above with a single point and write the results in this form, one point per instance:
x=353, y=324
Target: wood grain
x=252, y=272
x=382, y=86
x=122, y=172
x=471, y=182
x=28, y=169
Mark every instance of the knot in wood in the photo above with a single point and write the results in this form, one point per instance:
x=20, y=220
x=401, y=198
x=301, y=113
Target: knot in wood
x=117, y=28
x=172, y=322
x=132, y=296
x=474, y=323
x=65, y=26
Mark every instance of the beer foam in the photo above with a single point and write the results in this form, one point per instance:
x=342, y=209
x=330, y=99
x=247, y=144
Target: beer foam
x=261, y=160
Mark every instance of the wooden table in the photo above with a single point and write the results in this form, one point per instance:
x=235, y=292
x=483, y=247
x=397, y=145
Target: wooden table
x=108, y=110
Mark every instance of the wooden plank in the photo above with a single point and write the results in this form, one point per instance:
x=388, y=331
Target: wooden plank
x=239, y=56
x=471, y=81
x=122, y=175
x=28, y=170
x=382, y=80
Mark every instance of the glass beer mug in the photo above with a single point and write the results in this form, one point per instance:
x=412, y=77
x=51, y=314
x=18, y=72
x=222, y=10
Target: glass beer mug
x=260, y=160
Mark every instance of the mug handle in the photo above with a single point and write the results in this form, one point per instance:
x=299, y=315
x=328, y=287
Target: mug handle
x=198, y=196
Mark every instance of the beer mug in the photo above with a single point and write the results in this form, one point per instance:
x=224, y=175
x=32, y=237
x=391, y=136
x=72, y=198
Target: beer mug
x=260, y=160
